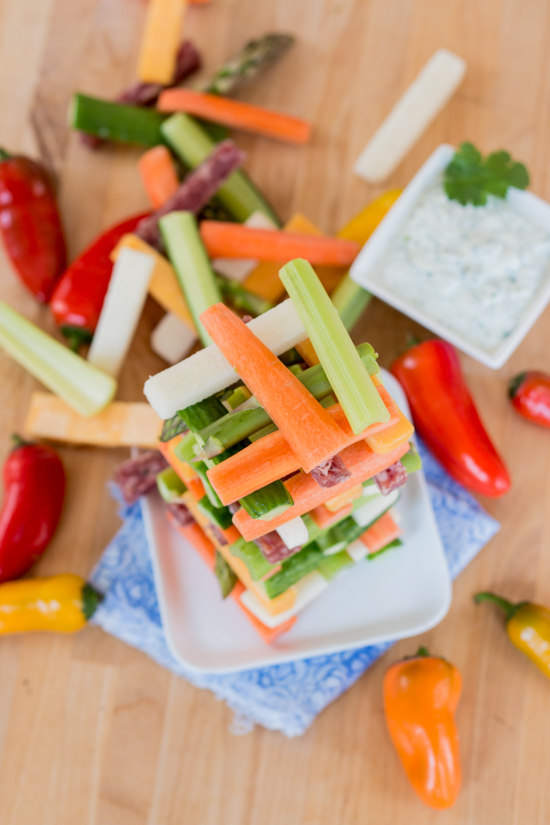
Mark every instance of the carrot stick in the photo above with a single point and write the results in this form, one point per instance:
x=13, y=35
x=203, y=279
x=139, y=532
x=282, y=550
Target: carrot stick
x=323, y=518
x=232, y=240
x=381, y=533
x=312, y=433
x=235, y=114
x=158, y=175
x=271, y=457
x=307, y=495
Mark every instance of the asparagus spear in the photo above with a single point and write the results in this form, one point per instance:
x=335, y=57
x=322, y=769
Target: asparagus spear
x=253, y=58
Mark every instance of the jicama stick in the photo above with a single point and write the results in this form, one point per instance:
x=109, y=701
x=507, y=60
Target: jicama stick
x=235, y=114
x=160, y=41
x=307, y=494
x=254, y=57
x=195, y=275
x=171, y=339
x=272, y=457
x=313, y=435
x=231, y=240
x=196, y=190
x=84, y=387
x=158, y=175
x=207, y=372
x=411, y=116
x=238, y=269
x=120, y=424
x=121, y=310
x=382, y=532
x=373, y=508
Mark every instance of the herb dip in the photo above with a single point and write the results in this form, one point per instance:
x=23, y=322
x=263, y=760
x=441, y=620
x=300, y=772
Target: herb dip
x=474, y=269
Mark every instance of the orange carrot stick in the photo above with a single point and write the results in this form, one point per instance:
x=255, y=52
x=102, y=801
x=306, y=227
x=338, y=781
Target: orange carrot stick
x=307, y=495
x=158, y=175
x=271, y=457
x=235, y=114
x=381, y=533
x=233, y=240
x=312, y=433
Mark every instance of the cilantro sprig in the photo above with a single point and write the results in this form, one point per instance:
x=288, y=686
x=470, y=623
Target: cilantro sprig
x=470, y=178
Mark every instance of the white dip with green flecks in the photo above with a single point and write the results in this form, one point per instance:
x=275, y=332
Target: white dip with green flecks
x=472, y=268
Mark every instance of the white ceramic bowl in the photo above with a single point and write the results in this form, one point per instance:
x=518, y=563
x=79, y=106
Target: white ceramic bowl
x=364, y=268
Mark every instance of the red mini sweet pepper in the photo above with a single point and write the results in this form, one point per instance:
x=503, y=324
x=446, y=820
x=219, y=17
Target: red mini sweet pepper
x=30, y=224
x=447, y=419
x=530, y=396
x=34, y=488
x=79, y=295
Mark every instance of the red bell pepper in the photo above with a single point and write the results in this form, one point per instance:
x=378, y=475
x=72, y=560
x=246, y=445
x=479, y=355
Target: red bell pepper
x=79, y=295
x=530, y=396
x=447, y=419
x=30, y=224
x=34, y=482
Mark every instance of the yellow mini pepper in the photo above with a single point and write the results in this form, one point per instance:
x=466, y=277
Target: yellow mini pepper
x=528, y=627
x=59, y=603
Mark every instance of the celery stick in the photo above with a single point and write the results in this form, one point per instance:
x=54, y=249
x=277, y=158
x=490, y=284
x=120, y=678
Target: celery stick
x=350, y=381
x=330, y=566
x=258, y=566
x=170, y=485
x=116, y=121
x=267, y=430
x=193, y=145
x=184, y=450
x=220, y=516
x=350, y=300
x=84, y=387
x=411, y=460
x=237, y=397
x=188, y=256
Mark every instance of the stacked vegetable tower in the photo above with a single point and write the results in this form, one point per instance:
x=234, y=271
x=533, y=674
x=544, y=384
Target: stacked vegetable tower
x=285, y=448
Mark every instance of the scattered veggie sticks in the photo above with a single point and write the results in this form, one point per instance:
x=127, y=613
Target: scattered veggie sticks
x=34, y=489
x=121, y=310
x=350, y=381
x=196, y=190
x=120, y=424
x=116, y=121
x=161, y=37
x=193, y=145
x=285, y=399
x=230, y=240
x=62, y=604
x=158, y=174
x=529, y=393
x=81, y=385
x=235, y=114
x=79, y=295
x=208, y=371
x=307, y=495
x=195, y=275
x=30, y=224
x=253, y=58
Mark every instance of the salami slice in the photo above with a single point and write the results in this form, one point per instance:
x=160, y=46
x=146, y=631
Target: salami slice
x=274, y=549
x=330, y=472
x=138, y=476
x=391, y=478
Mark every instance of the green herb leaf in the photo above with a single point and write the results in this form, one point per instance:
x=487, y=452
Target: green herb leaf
x=225, y=575
x=470, y=178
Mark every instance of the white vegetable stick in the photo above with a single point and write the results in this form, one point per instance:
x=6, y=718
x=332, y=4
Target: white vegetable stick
x=294, y=533
x=238, y=269
x=374, y=508
x=357, y=550
x=208, y=371
x=411, y=116
x=171, y=339
x=121, y=310
x=307, y=589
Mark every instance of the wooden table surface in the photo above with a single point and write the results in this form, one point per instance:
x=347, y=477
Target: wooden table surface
x=92, y=731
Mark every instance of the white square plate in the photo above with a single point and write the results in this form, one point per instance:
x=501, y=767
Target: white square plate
x=364, y=267
x=402, y=593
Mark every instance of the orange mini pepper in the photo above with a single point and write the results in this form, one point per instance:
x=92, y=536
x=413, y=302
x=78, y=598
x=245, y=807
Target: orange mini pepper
x=420, y=697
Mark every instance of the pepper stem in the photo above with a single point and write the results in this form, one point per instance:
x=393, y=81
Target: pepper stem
x=4, y=155
x=76, y=336
x=515, y=383
x=508, y=607
x=422, y=651
x=91, y=599
x=18, y=442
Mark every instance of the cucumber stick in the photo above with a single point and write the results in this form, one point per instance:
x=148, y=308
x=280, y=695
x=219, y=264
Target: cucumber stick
x=220, y=516
x=189, y=259
x=191, y=143
x=258, y=566
x=81, y=385
x=116, y=121
x=268, y=502
x=170, y=485
x=294, y=569
x=201, y=415
x=330, y=566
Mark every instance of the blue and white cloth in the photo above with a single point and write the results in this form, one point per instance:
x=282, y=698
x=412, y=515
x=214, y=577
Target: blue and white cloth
x=283, y=697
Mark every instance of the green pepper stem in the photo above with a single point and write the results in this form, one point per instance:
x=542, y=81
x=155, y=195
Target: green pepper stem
x=18, y=442
x=91, y=598
x=4, y=155
x=507, y=606
x=422, y=651
x=515, y=383
x=76, y=336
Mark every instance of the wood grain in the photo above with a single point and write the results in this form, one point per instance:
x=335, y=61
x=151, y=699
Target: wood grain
x=92, y=731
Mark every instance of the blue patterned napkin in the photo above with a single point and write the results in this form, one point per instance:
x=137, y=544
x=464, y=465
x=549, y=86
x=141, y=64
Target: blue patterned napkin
x=283, y=697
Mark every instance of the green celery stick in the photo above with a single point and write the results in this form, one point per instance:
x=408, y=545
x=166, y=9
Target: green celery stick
x=185, y=449
x=330, y=566
x=192, y=145
x=225, y=575
x=350, y=300
x=220, y=516
x=244, y=66
x=188, y=256
x=116, y=121
x=267, y=430
x=294, y=569
x=170, y=485
x=258, y=566
x=411, y=460
x=350, y=381
x=236, y=398
x=81, y=385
